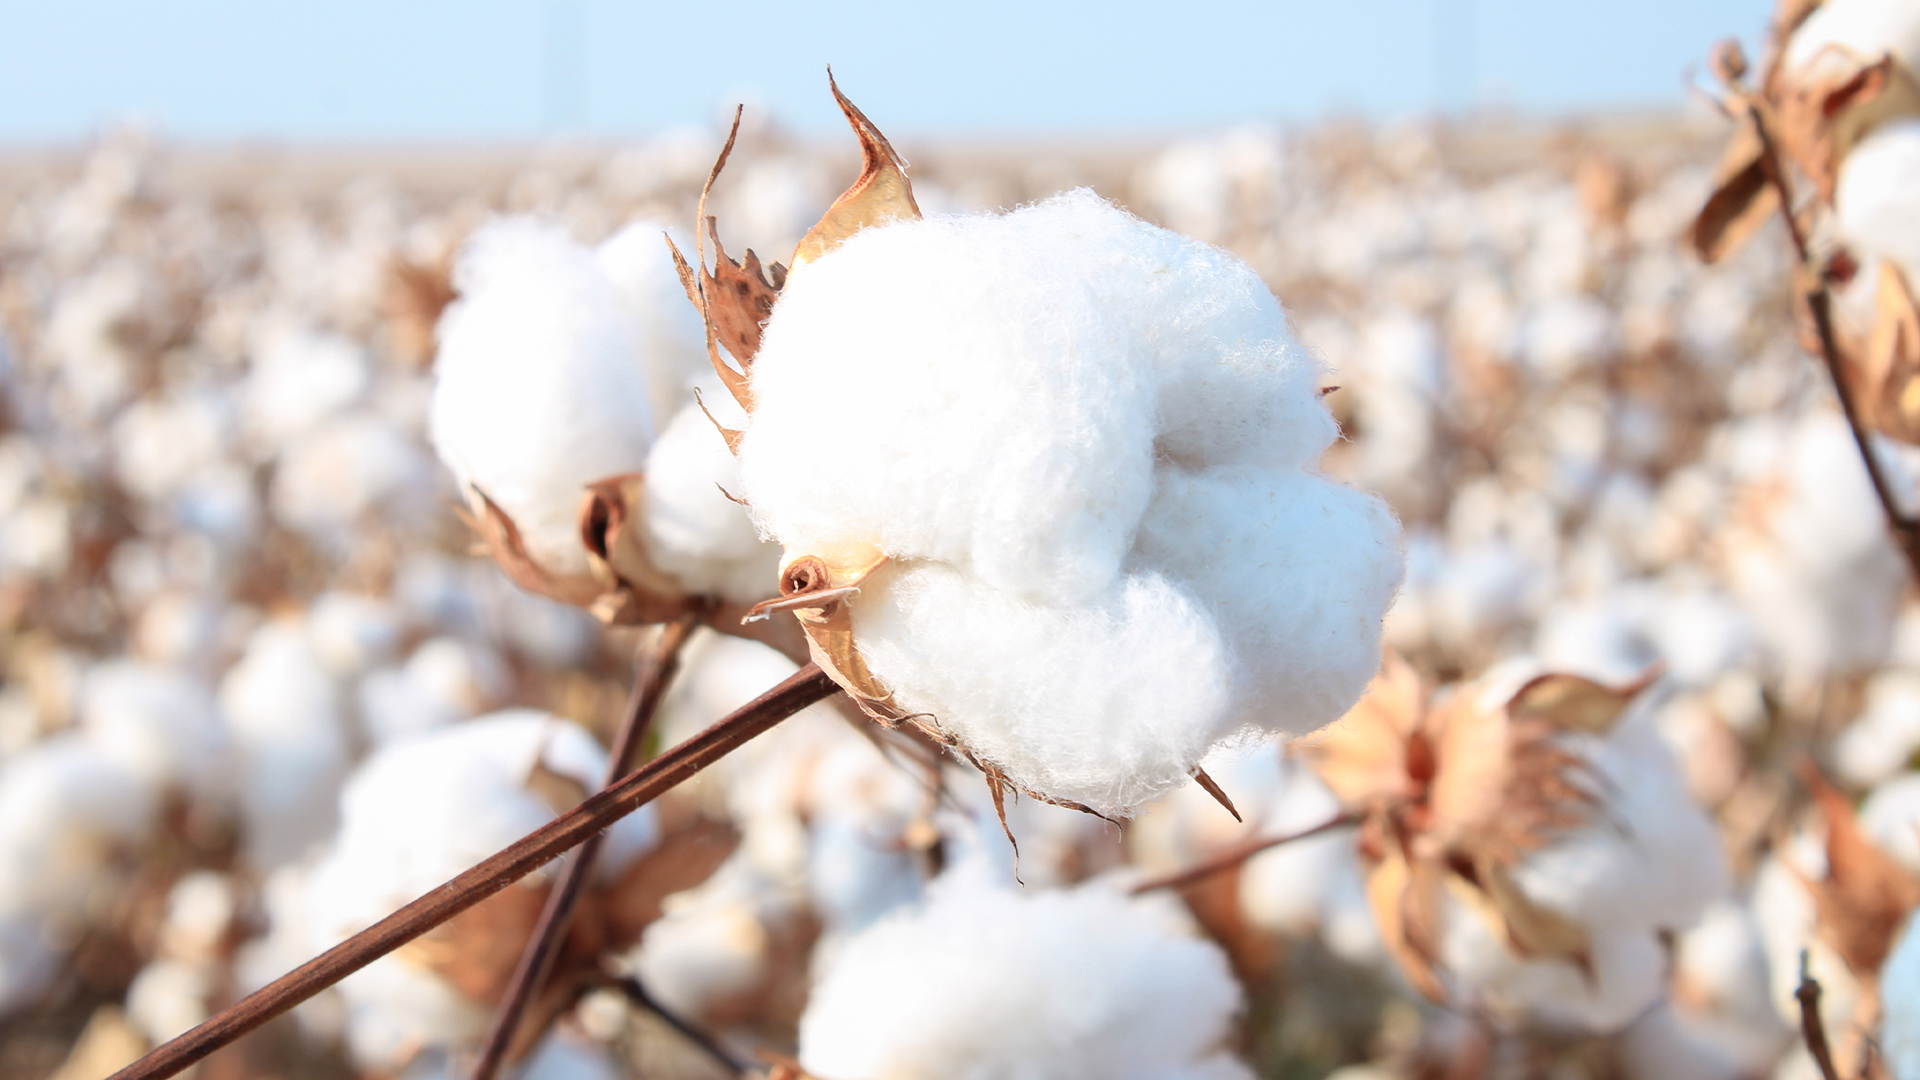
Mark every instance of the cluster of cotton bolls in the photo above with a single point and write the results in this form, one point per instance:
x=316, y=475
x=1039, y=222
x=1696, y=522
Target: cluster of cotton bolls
x=259, y=690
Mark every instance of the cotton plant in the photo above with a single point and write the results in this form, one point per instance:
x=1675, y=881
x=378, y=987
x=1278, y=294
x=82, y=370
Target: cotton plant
x=557, y=385
x=982, y=980
x=1527, y=839
x=419, y=811
x=1070, y=536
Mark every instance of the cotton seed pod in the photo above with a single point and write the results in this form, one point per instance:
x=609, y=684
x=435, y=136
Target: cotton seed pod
x=1046, y=486
x=1534, y=811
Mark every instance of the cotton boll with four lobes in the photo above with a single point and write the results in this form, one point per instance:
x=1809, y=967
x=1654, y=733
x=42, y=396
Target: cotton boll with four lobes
x=540, y=384
x=417, y=813
x=981, y=980
x=285, y=713
x=672, y=341
x=160, y=723
x=1878, y=196
x=1073, y=371
x=694, y=531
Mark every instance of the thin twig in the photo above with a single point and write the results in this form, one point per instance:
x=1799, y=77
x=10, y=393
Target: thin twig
x=536, y=849
x=659, y=658
x=1235, y=855
x=1819, y=301
x=1812, y=1028
x=636, y=992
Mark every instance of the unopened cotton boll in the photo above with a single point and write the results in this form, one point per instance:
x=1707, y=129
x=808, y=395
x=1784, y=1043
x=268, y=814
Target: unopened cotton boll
x=985, y=982
x=1086, y=445
x=540, y=387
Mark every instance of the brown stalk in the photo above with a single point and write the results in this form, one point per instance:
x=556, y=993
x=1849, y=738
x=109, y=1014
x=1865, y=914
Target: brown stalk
x=536, y=849
x=659, y=658
x=636, y=992
x=1811, y=1026
x=1235, y=855
x=1906, y=531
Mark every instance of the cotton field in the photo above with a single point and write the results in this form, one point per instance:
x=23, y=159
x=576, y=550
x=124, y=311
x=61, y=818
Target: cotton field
x=1356, y=600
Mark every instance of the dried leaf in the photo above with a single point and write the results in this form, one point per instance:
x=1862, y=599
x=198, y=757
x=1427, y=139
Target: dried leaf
x=476, y=950
x=1742, y=199
x=681, y=860
x=734, y=380
x=1890, y=376
x=1866, y=896
x=815, y=588
x=881, y=194
x=1572, y=703
x=1472, y=780
x=731, y=436
x=740, y=298
x=559, y=791
x=1362, y=756
x=504, y=546
x=1828, y=104
x=1405, y=917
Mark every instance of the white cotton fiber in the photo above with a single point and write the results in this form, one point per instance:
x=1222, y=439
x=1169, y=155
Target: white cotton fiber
x=1860, y=29
x=668, y=328
x=159, y=722
x=540, y=388
x=986, y=983
x=1088, y=446
x=284, y=711
x=694, y=531
x=1878, y=195
x=1900, y=997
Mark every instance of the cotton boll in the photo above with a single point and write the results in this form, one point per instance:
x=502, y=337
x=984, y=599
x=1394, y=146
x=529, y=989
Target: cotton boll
x=199, y=915
x=983, y=981
x=667, y=327
x=299, y=379
x=36, y=537
x=159, y=723
x=179, y=629
x=1106, y=705
x=64, y=808
x=711, y=943
x=1295, y=571
x=159, y=445
x=1878, y=195
x=1878, y=743
x=167, y=998
x=861, y=862
x=284, y=711
x=444, y=681
x=1628, y=970
x=694, y=532
x=352, y=631
x=1859, y=29
x=540, y=387
x=1900, y=998
x=1286, y=889
x=346, y=470
x=1567, y=334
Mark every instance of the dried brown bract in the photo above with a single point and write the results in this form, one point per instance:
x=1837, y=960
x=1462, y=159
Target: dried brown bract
x=1453, y=794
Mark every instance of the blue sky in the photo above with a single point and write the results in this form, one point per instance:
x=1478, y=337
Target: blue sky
x=451, y=70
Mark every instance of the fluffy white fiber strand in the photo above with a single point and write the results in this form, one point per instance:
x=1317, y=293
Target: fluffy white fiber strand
x=416, y=814
x=983, y=982
x=695, y=532
x=1087, y=445
x=285, y=713
x=1878, y=196
x=540, y=385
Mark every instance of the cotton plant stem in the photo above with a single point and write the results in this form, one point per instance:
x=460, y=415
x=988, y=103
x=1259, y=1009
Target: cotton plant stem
x=536, y=849
x=1235, y=855
x=1812, y=1029
x=636, y=992
x=659, y=659
x=1819, y=301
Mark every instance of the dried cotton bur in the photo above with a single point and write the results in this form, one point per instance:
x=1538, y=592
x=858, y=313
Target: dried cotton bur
x=1839, y=98
x=1527, y=840
x=1046, y=483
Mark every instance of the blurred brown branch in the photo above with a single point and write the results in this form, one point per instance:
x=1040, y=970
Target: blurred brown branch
x=1234, y=856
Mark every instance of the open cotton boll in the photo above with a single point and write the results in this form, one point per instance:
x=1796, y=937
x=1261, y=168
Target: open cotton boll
x=159, y=722
x=1878, y=195
x=416, y=814
x=64, y=806
x=540, y=386
x=666, y=326
x=284, y=711
x=1086, y=445
x=299, y=379
x=694, y=532
x=711, y=943
x=984, y=982
x=345, y=470
x=352, y=631
x=1860, y=29
x=1877, y=744
x=1900, y=998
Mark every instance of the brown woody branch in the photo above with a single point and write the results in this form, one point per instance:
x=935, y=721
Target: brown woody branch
x=659, y=658
x=1812, y=1028
x=536, y=849
x=1235, y=855
x=1819, y=301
